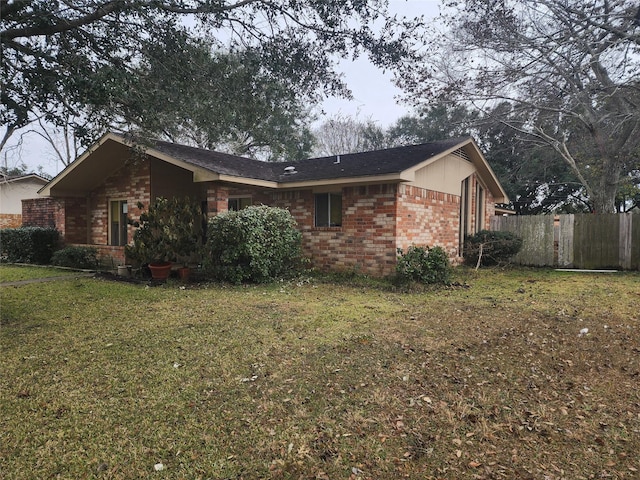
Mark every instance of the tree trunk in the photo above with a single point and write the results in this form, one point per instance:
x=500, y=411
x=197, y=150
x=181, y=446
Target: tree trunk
x=606, y=188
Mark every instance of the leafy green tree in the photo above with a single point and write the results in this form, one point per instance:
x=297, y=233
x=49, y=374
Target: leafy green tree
x=223, y=101
x=569, y=69
x=533, y=177
x=438, y=121
x=81, y=59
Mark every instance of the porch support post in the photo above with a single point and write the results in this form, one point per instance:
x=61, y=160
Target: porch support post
x=217, y=199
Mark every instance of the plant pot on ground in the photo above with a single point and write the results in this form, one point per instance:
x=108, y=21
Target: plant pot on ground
x=160, y=271
x=168, y=231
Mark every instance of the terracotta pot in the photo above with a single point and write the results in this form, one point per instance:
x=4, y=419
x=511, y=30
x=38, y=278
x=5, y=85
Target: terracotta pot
x=184, y=273
x=160, y=271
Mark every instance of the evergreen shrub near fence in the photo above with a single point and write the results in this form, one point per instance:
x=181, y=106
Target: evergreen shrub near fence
x=423, y=264
x=29, y=244
x=491, y=248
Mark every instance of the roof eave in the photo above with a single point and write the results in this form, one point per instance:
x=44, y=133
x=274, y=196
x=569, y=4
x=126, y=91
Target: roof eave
x=45, y=191
x=486, y=172
x=360, y=180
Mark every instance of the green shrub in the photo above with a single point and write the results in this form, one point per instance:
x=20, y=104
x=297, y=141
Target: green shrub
x=169, y=231
x=256, y=244
x=29, y=244
x=76, y=257
x=424, y=265
x=493, y=247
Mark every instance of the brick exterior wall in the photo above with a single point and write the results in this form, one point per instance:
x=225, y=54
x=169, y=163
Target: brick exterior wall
x=131, y=183
x=44, y=212
x=376, y=219
x=10, y=220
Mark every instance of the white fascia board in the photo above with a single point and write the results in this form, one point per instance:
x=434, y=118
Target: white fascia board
x=248, y=181
x=389, y=178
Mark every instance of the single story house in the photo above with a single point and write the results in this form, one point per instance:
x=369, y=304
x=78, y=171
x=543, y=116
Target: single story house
x=14, y=189
x=354, y=210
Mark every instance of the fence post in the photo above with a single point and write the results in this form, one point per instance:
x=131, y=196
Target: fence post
x=565, y=241
x=625, y=240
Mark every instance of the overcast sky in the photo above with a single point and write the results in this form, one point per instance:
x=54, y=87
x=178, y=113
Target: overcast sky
x=373, y=91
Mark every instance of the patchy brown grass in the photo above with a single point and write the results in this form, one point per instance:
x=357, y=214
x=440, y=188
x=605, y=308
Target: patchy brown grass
x=314, y=381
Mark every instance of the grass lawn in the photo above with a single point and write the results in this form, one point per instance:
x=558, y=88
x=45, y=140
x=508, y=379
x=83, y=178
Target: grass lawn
x=314, y=380
x=30, y=272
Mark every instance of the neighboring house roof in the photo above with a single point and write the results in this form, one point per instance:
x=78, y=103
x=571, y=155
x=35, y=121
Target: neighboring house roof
x=23, y=178
x=394, y=165
x=15, y=188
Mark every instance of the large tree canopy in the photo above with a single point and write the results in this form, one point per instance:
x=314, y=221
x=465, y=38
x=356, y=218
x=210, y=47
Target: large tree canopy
x=87, y=59
x=568, y=68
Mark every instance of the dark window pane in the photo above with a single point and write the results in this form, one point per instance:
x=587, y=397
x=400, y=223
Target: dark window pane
x=322, y=210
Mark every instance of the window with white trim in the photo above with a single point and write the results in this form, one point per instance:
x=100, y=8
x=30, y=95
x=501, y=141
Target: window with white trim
x=328, y=210
x=118, y=222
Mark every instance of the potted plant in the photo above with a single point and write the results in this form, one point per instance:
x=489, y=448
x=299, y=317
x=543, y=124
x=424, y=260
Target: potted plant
x=167, y=232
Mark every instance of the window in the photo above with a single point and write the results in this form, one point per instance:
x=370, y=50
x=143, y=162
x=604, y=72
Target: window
x=464, y=212
x=118, y=222
x=479, y=207
x=238, y=203
x=328, y=209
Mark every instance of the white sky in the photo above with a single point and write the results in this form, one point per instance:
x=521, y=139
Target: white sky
x=374, y=96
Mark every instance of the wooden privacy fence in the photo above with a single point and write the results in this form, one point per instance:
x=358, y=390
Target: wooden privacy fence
x=576, y=240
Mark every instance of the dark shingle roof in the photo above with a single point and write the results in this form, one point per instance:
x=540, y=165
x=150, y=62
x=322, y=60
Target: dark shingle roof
x=374, y=163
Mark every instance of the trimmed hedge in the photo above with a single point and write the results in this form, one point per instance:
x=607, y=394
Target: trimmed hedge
x=257, y=244
x=424, y=265
x=76, y=257
x=494, y=247
x=29, y=244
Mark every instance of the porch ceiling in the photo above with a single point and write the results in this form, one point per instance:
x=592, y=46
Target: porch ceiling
x=83, y=177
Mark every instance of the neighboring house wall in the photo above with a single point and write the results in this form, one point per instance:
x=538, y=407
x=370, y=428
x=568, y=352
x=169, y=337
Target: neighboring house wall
x=12, y=192
x=10, y=220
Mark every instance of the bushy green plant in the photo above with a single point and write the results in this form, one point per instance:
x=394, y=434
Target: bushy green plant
x=424, y=265
x=492, y=248
x=76, y=257
x=168, y=231
x=29, y=244
x=256, y=244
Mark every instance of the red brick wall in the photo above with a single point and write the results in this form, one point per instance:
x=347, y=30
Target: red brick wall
x=366, y=240
x=428, y=218
x=75, y=225
x=44, y=212
x=217, y=199
x=377, y=219
x=131, y=183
